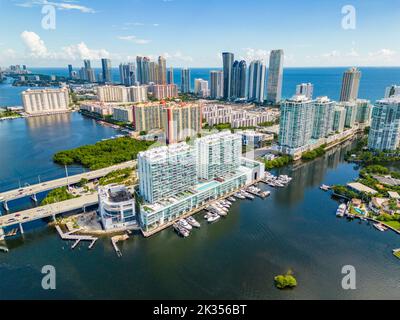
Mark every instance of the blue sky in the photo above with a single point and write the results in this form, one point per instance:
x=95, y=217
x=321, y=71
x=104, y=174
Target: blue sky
x=193, y=33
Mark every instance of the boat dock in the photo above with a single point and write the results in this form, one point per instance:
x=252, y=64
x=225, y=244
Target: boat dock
x=115, y=240
x=76, y=238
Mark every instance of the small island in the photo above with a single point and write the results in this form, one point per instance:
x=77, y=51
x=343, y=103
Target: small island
x=286, y=281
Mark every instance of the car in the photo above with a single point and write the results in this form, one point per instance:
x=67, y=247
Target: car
x=24, y=218
x=17, y=215
x=11, y=220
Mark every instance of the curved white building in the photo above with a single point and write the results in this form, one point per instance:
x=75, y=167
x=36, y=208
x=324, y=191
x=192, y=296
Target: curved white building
x=116, y=207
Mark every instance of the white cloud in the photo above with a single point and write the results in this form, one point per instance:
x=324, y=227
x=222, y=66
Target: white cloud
x=251, y=54
x=34, y=45
x=81, y=51
x=383, y=53
x=65, y=5
x=178, y=56
x=134, y=39
x=37, y=49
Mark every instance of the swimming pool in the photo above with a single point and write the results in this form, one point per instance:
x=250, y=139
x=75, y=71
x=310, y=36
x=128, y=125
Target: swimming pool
x=207, y=185
x=359, y=211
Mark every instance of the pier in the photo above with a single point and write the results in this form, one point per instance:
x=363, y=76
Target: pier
x=76, y=238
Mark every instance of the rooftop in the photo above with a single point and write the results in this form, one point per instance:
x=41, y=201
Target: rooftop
x=361, y=188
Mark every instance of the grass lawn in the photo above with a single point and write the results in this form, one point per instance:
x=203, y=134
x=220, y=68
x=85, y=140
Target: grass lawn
x=393, y=224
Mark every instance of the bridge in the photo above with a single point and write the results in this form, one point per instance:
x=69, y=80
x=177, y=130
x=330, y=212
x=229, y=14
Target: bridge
x=50, y=210
x=32, y=190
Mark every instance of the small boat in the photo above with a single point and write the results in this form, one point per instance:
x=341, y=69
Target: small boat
x=213, y=217
x=340, y=212
x=181, y=231
x=248, y=195
x=193, y=222
x=231, y=199
x=184, y=224
x=240, y=196
x=324, y=187
x=380, y=227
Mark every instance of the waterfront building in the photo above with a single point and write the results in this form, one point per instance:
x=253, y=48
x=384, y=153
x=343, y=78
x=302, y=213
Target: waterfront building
x=88, y=72
x=384, y=133
x=351, y=113
x=241, y=80
x=392, y=91
x=185, y=80
x=100, y=109
x=296, y=122
x=153, y=73
x=170, y=76
x=162, y=70
x=116, y=207
x=227, y=59
x=305, y=89
x=339, y=119
x=201, y=88
x=217, y=84
x=364, y=111
x=275, y=77
x=170, y=187
x=127, y=74
x=324, y=110
x=45, y=100
x=109, y=93
x=163, y=91
x=106, y=70
x=123, y=114
x=166, y=171
x=181, y=121
x=350, y=85
x=217, y=155
x=256, y=83
x=238, y=80
x=70, y=70
x=142, y=65
x=147, y=116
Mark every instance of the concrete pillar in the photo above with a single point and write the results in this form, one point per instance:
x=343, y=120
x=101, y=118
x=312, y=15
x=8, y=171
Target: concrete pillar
x=21, y=229
x=1, y=232
x=54, y=217
x=5, y=205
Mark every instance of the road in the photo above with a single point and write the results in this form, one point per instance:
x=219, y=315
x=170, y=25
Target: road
x=53, y=184
x=48, y=210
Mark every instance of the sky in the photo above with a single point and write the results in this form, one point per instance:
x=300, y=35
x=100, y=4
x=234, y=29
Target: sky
x=193, y=33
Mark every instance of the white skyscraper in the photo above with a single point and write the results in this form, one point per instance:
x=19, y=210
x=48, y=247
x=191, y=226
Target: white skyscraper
x=350, y=85
x=45, y=100
x=201, y=88
x=385, y=127
x=166, y=171
x=217, y=84
x=324, y=110
x=256, y=82
x=296, y=122
x=275, y=77
x=217, y=155
x=305, y=89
